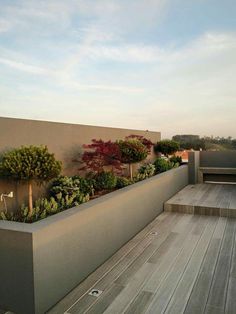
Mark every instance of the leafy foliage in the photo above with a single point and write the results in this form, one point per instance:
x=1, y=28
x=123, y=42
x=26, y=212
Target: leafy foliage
x=176, y=160
x=145, y=171
x=123, y=182
x=166, y=147
x=190, y=141
x=146, y=142
x=132, y=151
x=30, y=163
x=162, y=165
x=44, y=207
x=69, y=185
x=105, y=180
x=100, y=154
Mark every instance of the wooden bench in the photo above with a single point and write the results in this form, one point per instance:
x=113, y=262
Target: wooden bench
x=214, y=170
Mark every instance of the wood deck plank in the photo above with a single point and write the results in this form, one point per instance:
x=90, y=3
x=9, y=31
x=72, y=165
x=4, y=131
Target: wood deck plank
x=198, y=298
x=173, y=271
x=182, y=292
x=166, y=289
x=218, y=291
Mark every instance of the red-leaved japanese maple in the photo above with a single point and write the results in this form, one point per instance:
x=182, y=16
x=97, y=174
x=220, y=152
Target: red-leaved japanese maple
x=100, y=154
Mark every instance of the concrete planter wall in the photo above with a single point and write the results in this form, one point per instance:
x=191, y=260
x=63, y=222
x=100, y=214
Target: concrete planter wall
x=40, y=263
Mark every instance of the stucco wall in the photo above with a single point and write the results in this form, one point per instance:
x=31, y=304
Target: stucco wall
x=215, y=159
x=224, y=159
x=67, y=247
x=63, y=139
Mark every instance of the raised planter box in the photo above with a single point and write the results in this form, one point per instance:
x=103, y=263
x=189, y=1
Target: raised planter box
x=41, y=262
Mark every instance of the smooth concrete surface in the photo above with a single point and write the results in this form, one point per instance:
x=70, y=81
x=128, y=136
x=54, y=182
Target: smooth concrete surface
x=205, y=199
x=223, y=159
x=67, y=247
x=220, y=160
x=16, y=265
x=194, y=163
x=63, y=139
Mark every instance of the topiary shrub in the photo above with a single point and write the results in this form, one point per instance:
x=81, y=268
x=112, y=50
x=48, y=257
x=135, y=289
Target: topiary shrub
x=166, y=147
x=162, y=165
x=105, y=180
x=132, y=151
x=30, y=164
x=122, y=182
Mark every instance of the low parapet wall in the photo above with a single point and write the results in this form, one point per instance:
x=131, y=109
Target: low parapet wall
x=42, y=262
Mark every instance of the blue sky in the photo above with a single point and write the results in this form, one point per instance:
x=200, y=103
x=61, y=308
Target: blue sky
x=164, y=65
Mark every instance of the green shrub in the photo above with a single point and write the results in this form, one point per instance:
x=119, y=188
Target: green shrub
x=166, y=147
x=70, y=185
x=162, y=165
x=176, y=160
x=147, y=169
x=105, y=180
x=30, y=164
x=122, y=182
x=42, y=208
x=132, y=151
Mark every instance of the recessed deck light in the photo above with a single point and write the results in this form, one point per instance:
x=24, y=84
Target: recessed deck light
x=95, y=293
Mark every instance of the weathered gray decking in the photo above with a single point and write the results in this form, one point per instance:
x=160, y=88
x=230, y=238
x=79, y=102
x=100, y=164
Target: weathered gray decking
x=205, y=199
x=178, y=264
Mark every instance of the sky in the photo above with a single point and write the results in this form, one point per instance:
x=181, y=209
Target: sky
x=158, y=65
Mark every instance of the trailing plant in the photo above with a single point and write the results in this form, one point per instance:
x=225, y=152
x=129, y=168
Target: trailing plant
x=123, y=182
x=105, y=180
x=30, y=164
x=101, y=154
x=166, y=147
x=162, y=165
x=132, y=151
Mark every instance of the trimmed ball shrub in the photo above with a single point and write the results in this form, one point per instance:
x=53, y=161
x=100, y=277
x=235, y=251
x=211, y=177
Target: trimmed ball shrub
x=105, y=180
x=30, y=164
x=166, y=147
x=132, y=151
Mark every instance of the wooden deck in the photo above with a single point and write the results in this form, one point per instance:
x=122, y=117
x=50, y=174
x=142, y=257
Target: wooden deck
x=205, y=199
x=178, y=264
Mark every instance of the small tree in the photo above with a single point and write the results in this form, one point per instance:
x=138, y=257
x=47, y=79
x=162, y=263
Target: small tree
x=132, y=151
x=146, y=142
x=166, y=147
x=30, y=164
x=100, y=154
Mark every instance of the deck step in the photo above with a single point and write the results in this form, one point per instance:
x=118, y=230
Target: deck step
x=204, y=199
